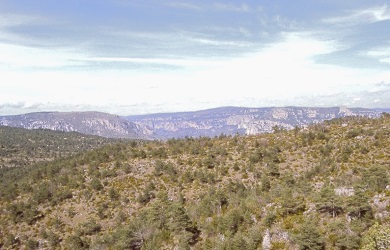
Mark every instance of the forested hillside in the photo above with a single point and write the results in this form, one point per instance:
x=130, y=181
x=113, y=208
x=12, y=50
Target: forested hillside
x=325, y=187
x=21, y=147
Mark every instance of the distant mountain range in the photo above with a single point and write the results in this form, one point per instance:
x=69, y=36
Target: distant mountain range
x=93, y=123
x=232, y=120
x=211, y=122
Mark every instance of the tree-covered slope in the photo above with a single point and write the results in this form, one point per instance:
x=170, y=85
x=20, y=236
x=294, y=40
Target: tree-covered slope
x=325, y=187
x=21, y=147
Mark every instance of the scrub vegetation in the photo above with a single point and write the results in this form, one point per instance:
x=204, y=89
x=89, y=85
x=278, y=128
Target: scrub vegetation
x=321, y=187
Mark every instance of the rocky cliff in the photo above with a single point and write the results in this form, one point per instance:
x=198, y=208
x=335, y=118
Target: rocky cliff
x=232, y=120
x=212, y=122
x=94, y=123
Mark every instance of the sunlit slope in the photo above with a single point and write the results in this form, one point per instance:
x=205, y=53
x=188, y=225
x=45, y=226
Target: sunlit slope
x=326, y=186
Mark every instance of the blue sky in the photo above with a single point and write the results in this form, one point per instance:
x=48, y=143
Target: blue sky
x=136, y=57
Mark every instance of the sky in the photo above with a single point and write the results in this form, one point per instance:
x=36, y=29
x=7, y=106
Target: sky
x=130, y=57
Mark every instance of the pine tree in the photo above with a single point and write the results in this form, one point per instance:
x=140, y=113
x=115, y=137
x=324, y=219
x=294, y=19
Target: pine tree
x=309, y=237
x=329, y=202
x=358, y=205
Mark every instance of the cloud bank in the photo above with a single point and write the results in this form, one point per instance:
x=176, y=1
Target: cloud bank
x=192, y=56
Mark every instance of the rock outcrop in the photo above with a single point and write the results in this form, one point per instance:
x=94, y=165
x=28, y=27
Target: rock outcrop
x=232, y=120
x=93, y=123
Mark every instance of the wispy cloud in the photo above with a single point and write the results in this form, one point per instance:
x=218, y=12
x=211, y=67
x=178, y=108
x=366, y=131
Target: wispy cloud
x=221, y=42
x=380, y=87
x=370, y=15
x=19, y=57
x=379, y=52
x=231, y=7
x=184, y=5
x=382, y=54
x=240, y=31
x=385, y=60
x=183, y=62
x=11, y=20
x=285, y=23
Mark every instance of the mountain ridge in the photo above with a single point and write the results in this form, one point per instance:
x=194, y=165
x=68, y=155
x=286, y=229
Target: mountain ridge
x=241, y=120
x=227, y=120
x=88, y=122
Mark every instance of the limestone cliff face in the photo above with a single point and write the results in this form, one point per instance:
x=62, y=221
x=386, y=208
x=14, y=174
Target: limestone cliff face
x=212, y=122
x=94, y=123
x=232, y=120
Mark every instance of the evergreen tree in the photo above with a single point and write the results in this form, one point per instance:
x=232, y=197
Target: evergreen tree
x=358, y=205
x=340, y=235
x=309, y=237
x=291, y=204
x=376, y=178
x=329, y=202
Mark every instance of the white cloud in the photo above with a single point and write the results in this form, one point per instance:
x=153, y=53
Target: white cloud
x=16, y=57
x=8, y=23
x=379, y=52
x=284, y=23
x=220, y=42
x=183, y=5
x=245, y=31
x=281, y=71
x=162, y=61
x=231, y=7
x=370, y=15
x=8, y=20
x=382, y=54
x=285, y=70
x=212, y=31
x=379, y=87
x=385, y=60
